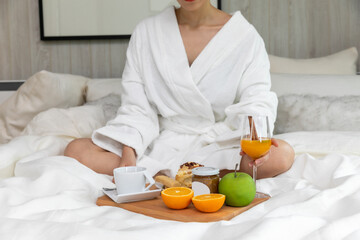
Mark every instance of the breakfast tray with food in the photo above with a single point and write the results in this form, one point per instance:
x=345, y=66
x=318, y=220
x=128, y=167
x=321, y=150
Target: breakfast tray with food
x=157, y=209
x=195, y=195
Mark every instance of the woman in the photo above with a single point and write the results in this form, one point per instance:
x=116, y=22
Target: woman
x=190, y=74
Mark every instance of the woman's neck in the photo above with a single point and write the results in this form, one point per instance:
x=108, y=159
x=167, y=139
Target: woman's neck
x=196, y=17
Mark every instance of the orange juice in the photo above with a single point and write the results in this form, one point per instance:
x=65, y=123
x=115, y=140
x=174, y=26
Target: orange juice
x=255, y=148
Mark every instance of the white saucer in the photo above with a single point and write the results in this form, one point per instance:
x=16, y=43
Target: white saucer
x=132, y=197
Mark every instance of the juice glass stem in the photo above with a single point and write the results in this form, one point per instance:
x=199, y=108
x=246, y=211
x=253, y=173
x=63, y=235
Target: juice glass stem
x=254, y=174
x=258, y=194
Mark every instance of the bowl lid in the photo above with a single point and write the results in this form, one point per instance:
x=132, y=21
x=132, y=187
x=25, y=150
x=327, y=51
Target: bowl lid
x=205, y=171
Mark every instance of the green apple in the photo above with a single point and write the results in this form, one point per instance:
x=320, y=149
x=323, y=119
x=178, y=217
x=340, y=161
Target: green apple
x=239, y=189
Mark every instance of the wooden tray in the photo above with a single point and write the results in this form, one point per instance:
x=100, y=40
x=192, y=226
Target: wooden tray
x=157, y=209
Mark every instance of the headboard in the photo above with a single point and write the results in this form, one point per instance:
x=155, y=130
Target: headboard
x=7, y=88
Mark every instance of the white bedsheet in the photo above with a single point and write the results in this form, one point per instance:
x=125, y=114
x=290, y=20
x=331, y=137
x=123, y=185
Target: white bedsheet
x=53, y=197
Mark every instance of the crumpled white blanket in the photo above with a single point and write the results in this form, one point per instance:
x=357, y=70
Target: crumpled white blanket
x=53, y=197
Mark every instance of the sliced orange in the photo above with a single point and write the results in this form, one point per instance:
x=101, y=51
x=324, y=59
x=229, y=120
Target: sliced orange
x=177, y=197
x=208, y=202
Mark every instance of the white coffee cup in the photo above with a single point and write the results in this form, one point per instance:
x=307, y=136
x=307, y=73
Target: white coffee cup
x=132, y=179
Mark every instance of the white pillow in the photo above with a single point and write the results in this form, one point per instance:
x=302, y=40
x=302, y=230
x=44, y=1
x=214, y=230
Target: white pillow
x=109, y=104
x=341, y=63
x=314, y=113
x=40, y=92
x=99, y=88
x=321, y=85
x=74, y=122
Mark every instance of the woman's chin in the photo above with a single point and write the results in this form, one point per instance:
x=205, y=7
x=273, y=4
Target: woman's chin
x=191, y=5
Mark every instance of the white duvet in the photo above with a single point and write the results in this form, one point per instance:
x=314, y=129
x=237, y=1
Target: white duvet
x=53, y=197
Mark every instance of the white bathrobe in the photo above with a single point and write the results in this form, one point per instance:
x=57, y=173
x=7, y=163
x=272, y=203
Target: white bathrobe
x=172, y=112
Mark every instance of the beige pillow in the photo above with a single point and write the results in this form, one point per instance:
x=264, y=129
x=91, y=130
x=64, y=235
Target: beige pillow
x=341, y=63
x=40, y=92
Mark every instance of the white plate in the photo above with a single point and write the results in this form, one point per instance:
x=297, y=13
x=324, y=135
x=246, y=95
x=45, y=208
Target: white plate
x=132, y=197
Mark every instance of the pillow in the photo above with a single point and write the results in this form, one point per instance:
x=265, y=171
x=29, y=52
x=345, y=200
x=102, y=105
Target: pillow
x=321, y=85
x=40, y=92
x=341, y=63
x=109, y=104
x=74, y=122
x=314, y=113
x=99, y=88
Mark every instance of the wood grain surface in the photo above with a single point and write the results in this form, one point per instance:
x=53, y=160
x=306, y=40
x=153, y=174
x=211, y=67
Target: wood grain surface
x=157, y=209
x=290, y=28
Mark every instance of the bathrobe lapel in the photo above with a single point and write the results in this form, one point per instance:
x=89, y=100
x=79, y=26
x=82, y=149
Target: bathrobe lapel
x=173, y=62
x=219, y=47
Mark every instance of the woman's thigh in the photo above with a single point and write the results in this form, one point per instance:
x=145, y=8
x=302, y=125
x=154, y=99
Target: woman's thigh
x=92, y=156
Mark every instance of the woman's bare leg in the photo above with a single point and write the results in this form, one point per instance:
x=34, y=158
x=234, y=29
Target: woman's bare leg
x=281, y=159
x=92, y=156
x=102, y=161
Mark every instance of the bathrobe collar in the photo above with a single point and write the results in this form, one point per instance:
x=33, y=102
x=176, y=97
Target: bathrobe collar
x=182, y=78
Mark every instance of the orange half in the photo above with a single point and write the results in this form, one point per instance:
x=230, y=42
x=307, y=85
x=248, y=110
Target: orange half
x=208, y=202
x=177, y=197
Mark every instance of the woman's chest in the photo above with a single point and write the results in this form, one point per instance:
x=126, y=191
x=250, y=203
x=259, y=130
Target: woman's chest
x=196, y=40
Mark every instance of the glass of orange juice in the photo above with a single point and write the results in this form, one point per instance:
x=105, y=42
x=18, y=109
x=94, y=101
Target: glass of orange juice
x=256, y=140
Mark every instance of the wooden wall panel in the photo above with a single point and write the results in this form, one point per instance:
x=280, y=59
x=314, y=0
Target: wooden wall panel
x=19, y=37
x=308, y=29
x=40, y=52
x=260, y=18
x=290, y=28
x=279, y=27
x=304, y=28
x=233, y=5
x=100, y=59
x=80, y=58
x=339, y=25
x=318, y=29
x=118, y=56
x=5, y=51
x=60, y=50
x=299, y=21
x=354, y=25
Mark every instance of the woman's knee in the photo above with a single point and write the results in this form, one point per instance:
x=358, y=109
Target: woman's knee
x=76, y=147
x=287, y=155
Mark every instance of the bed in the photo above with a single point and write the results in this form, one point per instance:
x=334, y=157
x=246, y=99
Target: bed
x=44, y=195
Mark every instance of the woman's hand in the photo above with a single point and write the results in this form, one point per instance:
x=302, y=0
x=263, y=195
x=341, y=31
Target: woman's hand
x=128, y=157
x=260, y=161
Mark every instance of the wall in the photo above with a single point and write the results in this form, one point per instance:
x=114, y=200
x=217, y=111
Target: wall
x=290, y=28
x=303, y=28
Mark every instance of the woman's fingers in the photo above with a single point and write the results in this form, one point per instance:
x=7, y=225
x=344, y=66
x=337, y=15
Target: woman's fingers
x=274, y=142
x=127, y=162
x=260, y=161
x=251, y=164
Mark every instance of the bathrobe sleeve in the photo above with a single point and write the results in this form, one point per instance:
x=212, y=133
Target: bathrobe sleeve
x=253, y=94
x=136, y=124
